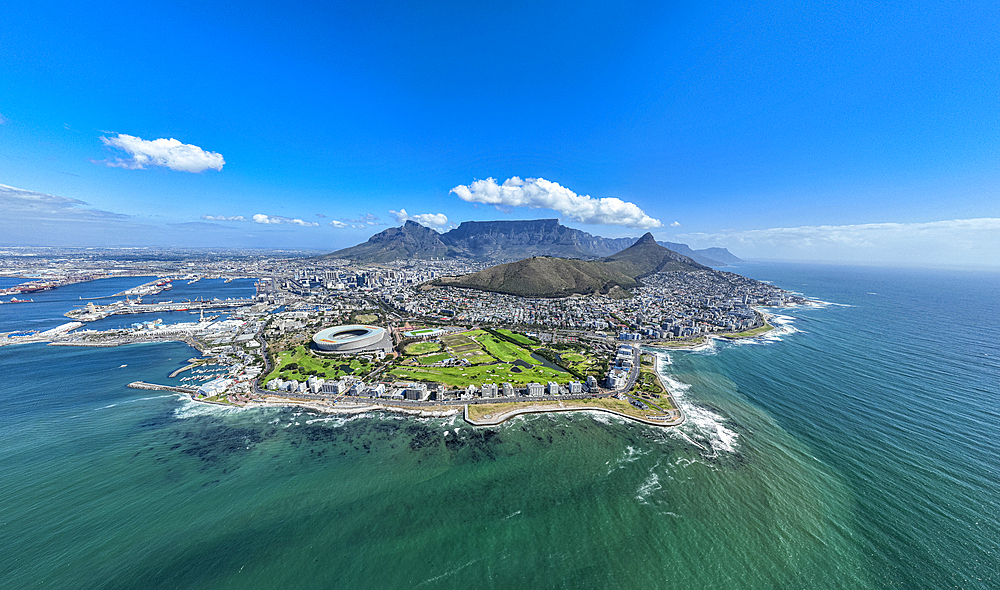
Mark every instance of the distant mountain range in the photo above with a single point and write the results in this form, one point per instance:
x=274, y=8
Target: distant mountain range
x=544, y=276
x=505, y=240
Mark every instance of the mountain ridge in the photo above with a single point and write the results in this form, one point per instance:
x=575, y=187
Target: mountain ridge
x=544, y=276
x=504, y=240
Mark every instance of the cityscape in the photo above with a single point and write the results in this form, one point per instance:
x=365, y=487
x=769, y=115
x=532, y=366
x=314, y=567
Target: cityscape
x=432, y=348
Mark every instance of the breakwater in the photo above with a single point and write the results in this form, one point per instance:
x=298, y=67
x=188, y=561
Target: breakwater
x=157, y=387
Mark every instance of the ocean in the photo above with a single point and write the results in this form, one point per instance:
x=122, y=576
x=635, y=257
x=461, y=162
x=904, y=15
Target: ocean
x=856, y=446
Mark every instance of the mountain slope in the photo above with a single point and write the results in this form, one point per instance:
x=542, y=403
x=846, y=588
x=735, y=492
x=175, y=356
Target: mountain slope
x=559, y=277
x=720, y=254
x=646, y=257
x=412, y=240
x=543, y=276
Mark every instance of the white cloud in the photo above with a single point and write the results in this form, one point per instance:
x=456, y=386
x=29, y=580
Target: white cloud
x=224, y=218
x=276, y=219
x=338, y=224
x=954, y=242
x=25, y=205
x=538, y=193
x=675, y=224
x=169, y=153
x=368, y=218
x=435, y=220
x=199, y=226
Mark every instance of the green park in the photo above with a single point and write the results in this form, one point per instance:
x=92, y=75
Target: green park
x=479, y=356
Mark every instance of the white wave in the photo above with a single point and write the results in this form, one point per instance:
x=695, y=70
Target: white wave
x=821, y=304
x=673, y=385
x=512, y=515
x=711, y=427
x=652, y=484
x=631, y=454
x=700, y=421
x=448, y=573
x=604, y=417
x=192, y=409
x=708, y=348
x=334, y=420
x=726, y=438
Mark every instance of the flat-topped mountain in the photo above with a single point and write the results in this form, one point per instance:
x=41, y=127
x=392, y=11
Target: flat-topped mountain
x=543, y=276
x=501, y=240
x=484, y=240
x=538, y=237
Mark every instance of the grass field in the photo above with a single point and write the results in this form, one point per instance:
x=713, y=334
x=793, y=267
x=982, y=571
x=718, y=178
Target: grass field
x=464, y=376
x=686, y=343
x=453, y=340
x=430, y=359
x=491, y=358
x=308, y=364
x=465, y=346
x=521, y=338
x=418, y=348
x=366, y=318
x=751, y=333
x=503, y=350
x=581, y=363
x=649, y=389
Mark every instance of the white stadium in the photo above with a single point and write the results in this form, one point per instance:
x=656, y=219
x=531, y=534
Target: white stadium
x=353, y=338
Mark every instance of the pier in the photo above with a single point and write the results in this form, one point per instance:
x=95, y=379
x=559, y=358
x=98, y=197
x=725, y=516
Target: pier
x=156, y=387
x=92, y=312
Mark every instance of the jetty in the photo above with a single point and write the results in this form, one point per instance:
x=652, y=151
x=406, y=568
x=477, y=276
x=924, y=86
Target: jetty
x=158, y=387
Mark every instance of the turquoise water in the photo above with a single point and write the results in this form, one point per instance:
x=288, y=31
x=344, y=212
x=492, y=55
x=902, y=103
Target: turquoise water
x=855, y=448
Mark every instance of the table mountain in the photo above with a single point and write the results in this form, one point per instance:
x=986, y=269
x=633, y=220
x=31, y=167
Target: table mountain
x=499, y=241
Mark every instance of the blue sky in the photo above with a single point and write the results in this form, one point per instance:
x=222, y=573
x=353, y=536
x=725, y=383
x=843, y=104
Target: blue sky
x=806, y=131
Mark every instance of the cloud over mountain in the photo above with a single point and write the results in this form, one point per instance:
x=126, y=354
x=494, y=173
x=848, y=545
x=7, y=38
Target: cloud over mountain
x=436, y=220
x=168, y=153
x=538, y=193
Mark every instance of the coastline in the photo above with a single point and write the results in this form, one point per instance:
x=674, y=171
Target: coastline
x=678, y=416
x=705, y=341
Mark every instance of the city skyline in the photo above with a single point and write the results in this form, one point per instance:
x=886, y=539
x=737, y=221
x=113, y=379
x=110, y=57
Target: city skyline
x=832, y=133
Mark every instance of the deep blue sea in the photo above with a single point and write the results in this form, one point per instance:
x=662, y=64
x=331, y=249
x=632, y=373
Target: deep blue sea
x=854, y=447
